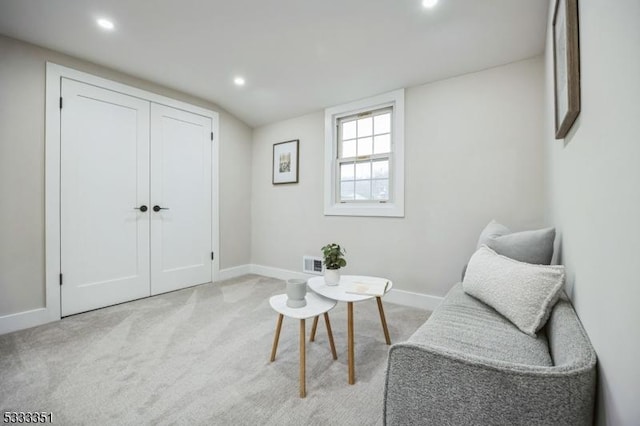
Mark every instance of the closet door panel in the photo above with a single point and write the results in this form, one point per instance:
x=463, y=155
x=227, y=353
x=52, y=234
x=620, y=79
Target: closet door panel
x=181, y=186
x=104, y=177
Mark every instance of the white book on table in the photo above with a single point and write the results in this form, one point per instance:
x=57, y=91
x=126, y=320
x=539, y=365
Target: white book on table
x=367, y=287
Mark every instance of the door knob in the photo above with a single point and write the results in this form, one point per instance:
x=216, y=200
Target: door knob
x=158, y=208
x=142, y=208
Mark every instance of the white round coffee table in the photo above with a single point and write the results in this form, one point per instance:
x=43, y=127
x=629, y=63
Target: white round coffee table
x=316, y=305
x=339, y=294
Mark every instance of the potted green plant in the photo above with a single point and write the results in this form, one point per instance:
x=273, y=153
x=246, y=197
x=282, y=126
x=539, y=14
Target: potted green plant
x=333, y=260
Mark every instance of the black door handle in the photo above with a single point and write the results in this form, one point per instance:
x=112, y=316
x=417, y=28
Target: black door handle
x=142, y=208
x=158, y=208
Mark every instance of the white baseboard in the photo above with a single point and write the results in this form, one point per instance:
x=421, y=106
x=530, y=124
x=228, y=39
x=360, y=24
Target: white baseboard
x=234, y=272
x=400, y=297
x=26, y=319
x=40, y=316
x=415, y=300
x=281, y=274
x=267, y=271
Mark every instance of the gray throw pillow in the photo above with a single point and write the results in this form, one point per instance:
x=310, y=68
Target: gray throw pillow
x=527, y=246
x=523, y=293
x=491, y=231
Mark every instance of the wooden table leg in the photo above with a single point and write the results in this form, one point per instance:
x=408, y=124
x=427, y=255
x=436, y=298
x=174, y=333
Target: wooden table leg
x=384, y=321
x=350, y=343
x=313, y=329
x=303, y=387
x=328, y=324
x=276, y=338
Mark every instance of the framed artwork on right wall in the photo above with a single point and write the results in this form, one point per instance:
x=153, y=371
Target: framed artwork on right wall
x=566, y=64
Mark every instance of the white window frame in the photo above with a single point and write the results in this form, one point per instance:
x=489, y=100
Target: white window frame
x=394, y=207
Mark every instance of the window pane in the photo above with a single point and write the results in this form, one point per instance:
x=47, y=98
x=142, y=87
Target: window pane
x=365, y=146
x=349, y=130
x=380, y=189
x=363, y=170
x=382, y=144
x=347, y=171
x=363, y=190
x=365, y=127
x=382, y=123
x=349, y=148
x=381, y=169
x=347, y=190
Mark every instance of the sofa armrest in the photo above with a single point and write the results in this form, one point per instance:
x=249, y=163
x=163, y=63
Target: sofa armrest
x=430, y=385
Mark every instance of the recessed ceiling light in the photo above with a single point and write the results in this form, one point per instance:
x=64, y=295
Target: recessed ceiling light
x=238, y=81
x=105, y=23
x=429, y=3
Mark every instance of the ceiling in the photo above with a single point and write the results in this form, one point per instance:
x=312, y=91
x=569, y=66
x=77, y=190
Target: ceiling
x=297, y=56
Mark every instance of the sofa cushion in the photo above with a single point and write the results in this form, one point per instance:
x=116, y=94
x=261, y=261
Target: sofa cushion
x=522, y=292
x=527, y=246
x=491, y=231
x=465, y=325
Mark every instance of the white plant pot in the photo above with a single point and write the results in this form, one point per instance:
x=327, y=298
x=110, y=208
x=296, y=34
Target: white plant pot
x=332, y=276
x=296, y=292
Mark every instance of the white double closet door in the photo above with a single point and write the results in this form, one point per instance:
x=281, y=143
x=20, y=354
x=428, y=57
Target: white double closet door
x=136, y=180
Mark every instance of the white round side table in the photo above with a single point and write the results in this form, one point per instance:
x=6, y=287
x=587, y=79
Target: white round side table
x=340, y=293
x=316, y=305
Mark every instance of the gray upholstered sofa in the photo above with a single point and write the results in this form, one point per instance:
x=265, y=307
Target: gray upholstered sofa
x=468, y=365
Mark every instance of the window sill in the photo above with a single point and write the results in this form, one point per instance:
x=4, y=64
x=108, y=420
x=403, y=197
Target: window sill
x=376, y=210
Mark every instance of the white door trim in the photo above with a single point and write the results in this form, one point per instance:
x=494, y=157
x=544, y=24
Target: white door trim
x=54, y=74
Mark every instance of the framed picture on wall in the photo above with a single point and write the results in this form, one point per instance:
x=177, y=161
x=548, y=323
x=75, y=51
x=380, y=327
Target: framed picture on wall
x=285, y=162
x=566, y=62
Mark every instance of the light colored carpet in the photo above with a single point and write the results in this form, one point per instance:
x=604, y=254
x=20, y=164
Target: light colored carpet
x=199, y=356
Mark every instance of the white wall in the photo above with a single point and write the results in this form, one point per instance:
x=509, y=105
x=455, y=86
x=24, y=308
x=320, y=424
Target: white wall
x=594, y=189
x=22, y=91
x=474, y=152
x=235, y=191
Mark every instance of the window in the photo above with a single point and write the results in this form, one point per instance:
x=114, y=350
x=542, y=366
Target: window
x=364, y=154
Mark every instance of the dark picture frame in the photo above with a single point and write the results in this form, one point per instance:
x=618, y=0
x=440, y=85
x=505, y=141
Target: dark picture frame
x=566, y=65
x=285, y=162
